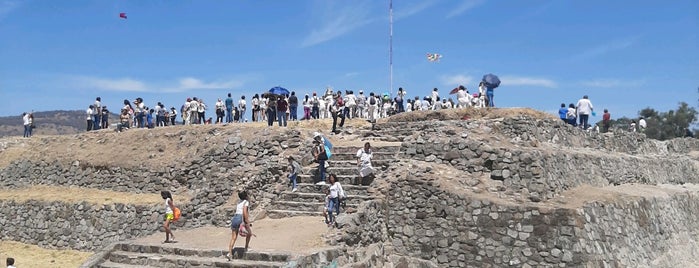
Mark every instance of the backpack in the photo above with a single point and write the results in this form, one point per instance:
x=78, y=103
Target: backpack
x=177, y=214
x=372, y=100
x=293, y=100
x=316, y=103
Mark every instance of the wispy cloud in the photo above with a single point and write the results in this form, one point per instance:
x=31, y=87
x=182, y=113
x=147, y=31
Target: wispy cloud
x=455, y=80
x=7, y=6
x=338, y=18
x=412, y=10
x=527, y=81
x=613, y=83
x=133, y=85
x=465, y=5
x=602, y=49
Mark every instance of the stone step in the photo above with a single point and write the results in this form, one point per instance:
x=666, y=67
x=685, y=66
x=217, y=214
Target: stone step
x=277, y=213
x=208, y=253
x=347, y=187
x=319, y=197
x=353, y=156
x=303, y=206
x=312, y=188
x=353, y=163
x=109, y=264
x=311, y=178
x=376, y=149
x=165, y=260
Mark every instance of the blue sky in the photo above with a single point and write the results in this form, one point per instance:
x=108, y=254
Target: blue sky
x=626, y=55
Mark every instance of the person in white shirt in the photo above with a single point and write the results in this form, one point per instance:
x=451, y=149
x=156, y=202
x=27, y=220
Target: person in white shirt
x=240, y=221
x=201, y=111
x=173, y=116
x=336, y=195
x=384, y=110
x=400, y=99
x=632, y=127
x=256, y=110
x=446, y=104
x=97, y=113
x=481, y=89
x=264, y=101
x=350, y=104
x=27, y=124
x=90, y=112
x=361, y=105
x=642, y=124
x=408, y=105
x=435, y=99
x=364, y=165
x=194, y=111
x=10, y=262
x=426, y=104
x=220, y=111
x=241, y=108
x=462, y=97
x=185, y=112
x=372, y=105
x=584, y=109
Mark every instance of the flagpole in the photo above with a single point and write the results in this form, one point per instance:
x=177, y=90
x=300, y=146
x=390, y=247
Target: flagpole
x=390, y=45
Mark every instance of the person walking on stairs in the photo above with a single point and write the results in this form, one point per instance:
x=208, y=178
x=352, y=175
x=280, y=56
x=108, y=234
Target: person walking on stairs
x=294, y=170
x=336, y=195
x=364, y=156
x=240, y=222
x=320, y=156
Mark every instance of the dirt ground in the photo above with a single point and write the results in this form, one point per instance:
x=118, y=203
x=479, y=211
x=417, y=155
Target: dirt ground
x=31, y=256
x=295, y=235
x=171, y=144
x=469, y=114
x=78, y=195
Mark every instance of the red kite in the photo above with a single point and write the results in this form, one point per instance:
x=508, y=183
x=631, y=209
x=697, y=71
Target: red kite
x=122, y=15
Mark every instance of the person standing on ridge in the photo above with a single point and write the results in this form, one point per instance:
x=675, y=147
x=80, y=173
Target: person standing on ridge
x=606, y=121
x=97, y=113
x=584, y=109
x=229, y=109
x=90, y=111
x=293, y=106
x=241, y=108
x=562, y=113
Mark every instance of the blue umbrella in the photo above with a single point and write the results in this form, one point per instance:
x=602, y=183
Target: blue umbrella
x=491, y=80
x=279, y=91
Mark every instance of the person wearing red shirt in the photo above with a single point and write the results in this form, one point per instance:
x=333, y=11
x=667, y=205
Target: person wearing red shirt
x=606, y=121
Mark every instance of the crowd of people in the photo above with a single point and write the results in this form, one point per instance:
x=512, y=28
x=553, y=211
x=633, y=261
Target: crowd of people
x=579, y=114
x=283, y=108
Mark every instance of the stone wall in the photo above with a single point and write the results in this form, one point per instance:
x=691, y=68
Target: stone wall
x=543, y=165
x=81, y=226
x=212, y=179
x=450, y=228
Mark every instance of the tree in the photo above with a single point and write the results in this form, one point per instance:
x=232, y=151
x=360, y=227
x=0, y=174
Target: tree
x=670, y=124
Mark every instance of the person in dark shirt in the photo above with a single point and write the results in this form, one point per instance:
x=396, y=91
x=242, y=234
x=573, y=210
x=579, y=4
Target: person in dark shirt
x=282, y=105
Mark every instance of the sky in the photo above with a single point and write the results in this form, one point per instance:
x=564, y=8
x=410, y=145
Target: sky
x=625, y=55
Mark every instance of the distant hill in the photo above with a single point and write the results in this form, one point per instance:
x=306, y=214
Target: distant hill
x=49, y=123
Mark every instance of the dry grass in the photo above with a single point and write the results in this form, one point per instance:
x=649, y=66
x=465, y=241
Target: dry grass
x=26, y=255
x=78, y=195
x=469, y=114
x=149, y=148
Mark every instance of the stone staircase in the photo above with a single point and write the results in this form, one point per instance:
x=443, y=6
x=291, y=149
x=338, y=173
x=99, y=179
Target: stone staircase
x=309, y=199
x=143, y=255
